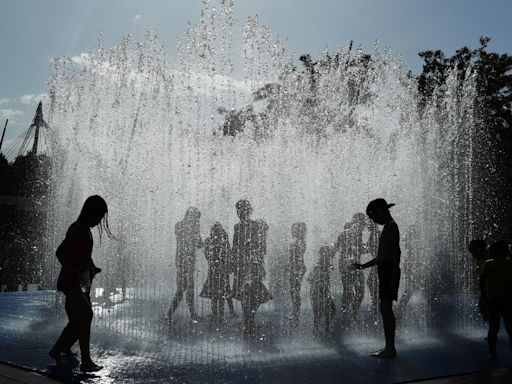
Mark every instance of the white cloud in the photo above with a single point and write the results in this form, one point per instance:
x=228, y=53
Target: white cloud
x=136, y=18
x=27, y=99
x=32, y=99
x=11, y=114
x=80, y=59
x=4, y=100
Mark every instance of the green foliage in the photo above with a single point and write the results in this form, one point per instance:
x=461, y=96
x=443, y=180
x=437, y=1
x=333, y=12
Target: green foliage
x=493, y=139
x=270, y=97
x=22, y=219
x=27, y=176
x=494, y=80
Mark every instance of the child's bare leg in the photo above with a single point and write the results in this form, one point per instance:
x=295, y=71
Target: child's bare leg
x=220, y=304
x=215, y=302
x=388, y=320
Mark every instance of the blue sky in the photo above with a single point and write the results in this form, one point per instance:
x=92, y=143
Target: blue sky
x=32, y=31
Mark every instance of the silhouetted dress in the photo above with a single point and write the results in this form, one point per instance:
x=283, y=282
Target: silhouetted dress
x=217, y=252
x=249, y=269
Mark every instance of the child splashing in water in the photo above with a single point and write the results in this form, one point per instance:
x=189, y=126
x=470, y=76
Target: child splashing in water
x=297, y=268
x=320, y=281
x=75, y=279
x=216, y=287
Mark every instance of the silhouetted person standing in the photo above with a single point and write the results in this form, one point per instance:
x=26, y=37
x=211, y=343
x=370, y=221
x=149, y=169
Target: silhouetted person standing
x=371, y=247
x=218, y=254
x=320, y=287
x=297, y=267
x=479, y=250
x=350, y=247
x=75, y=278
x=388, y=264
x=413, y=270
x=342, y=246
x=249, y=247
x=496, y=287
x=188, y=240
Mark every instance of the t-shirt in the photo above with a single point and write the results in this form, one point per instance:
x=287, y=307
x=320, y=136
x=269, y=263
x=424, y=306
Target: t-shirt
x=388, y=253
x=498, y=277
x=389, y=244
x=74, y=254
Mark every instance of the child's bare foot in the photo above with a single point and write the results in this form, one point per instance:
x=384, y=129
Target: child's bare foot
x=385, y=353
x=89, y=366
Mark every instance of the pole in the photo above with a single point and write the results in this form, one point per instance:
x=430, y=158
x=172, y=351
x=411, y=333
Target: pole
x=3, y=134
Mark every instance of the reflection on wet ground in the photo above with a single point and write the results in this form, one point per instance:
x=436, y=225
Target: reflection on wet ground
x=135, y=344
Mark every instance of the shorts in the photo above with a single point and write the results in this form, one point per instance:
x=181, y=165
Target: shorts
x=388, y=284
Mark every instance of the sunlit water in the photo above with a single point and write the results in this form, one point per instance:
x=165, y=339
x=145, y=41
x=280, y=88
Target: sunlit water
x=144, y=131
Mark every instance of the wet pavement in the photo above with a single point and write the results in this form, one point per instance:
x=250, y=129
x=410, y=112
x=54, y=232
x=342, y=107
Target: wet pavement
x=135, y=345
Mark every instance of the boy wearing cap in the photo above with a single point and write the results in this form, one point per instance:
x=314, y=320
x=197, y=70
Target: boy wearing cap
x=388, y=264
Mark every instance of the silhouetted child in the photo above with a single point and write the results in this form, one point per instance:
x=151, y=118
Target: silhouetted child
x=388, y=263
x=342, y=247
x=320, y=282
x=371, y=246
x=249, y=249
x=218, y=254
x=413, y=267
x=496, y=287
x=75, y=279
x=188, y=240
x=350, y=247
x=297, y=267
x=479, y=250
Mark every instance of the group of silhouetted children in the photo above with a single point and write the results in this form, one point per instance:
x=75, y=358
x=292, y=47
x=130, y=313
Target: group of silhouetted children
x=245, y=261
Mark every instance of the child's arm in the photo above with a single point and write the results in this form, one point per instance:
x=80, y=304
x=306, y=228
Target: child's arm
x=369, y=264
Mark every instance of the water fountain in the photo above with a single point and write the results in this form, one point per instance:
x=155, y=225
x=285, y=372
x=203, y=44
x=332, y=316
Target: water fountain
x=217, y=123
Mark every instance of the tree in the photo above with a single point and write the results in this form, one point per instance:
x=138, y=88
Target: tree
x=310, y=101
x=493, y=139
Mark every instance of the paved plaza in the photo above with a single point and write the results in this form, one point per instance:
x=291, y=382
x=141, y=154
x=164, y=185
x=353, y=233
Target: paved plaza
x=136, y=351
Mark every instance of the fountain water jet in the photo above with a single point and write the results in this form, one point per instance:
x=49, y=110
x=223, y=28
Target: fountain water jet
x=312, y=145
